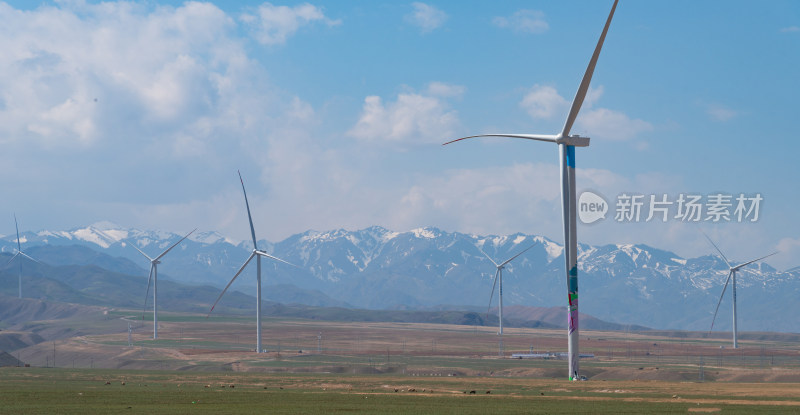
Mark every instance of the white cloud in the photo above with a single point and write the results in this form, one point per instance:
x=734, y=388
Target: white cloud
x=180, y=105
x=272, y=25
x=720, y=113
x=426, y=17
x=73, y=78
x=441, y=89
x=523, y=21
x=121, y=96
x=788, y=252
x=790, y=29
x=544, y=102
x=592, y=96
x=412, y=118
x=464, y=199
x=523, y=197
x=608, y=124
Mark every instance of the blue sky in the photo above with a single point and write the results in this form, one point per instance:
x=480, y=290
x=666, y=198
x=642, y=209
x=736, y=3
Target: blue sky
x=140, y=113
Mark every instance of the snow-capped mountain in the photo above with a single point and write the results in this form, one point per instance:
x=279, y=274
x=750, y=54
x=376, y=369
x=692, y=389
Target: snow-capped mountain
x=379, y=268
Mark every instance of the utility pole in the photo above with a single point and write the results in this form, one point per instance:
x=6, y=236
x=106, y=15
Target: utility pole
x=701, y=376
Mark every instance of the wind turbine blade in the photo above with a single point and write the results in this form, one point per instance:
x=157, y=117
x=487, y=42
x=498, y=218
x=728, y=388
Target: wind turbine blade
x=29, y=257
x=587, y=77
x=720, y=300
x=19, y=247
x=487, y=256
x=12, y=258
x=264, y=254
x=231, y=282
x=142, y=252
x=174, y=245
x=515, y=256
x=496, y=274
x=718, y=250
x=537, y=137
x=147, y=293
x=740, y=265
x=249, y=217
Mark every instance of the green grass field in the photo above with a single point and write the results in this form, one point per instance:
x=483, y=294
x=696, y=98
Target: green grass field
x=66, y=391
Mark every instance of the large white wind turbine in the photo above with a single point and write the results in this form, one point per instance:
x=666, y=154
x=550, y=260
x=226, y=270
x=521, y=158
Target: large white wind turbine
x=731, y=278
x=17, y=254
x=154, y=278
x=498, y=276
x=566, y=150
x=257, y=254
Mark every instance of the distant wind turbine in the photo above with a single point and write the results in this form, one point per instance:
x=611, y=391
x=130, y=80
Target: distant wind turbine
x=498, y=276
x=154, y=278
x=257, y=254
x=731, y=278
x=566, y=149
x=19, y=253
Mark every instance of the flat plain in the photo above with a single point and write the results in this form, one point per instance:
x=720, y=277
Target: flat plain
x=201, y=365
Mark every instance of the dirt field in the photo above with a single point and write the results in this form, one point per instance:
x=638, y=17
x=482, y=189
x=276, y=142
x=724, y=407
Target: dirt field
x=193, y=343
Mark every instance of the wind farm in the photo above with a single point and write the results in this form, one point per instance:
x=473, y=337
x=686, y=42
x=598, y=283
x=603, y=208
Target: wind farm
x=124, y=122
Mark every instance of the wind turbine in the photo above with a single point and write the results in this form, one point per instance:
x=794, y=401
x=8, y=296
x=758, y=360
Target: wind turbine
x=257, y=254
x=18, y=253
x=154, y=278
x=731, y=278
x=566, y=156
x=498, y=276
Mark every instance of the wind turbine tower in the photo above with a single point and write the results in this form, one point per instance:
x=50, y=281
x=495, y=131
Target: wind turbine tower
x=566, y=156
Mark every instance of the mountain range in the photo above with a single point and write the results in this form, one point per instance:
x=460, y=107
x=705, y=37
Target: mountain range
x=431, y=269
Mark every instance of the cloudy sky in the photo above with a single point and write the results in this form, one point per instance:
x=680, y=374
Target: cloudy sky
x=140, y=113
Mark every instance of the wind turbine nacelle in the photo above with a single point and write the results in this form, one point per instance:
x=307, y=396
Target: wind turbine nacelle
x=574, y=140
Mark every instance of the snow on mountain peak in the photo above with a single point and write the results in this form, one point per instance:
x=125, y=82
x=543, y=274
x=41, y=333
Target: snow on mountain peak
x=388, y=236
x=312, y=235
x=426, y=233
x=553, y=249
x=210, y=237
x=103, y=234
